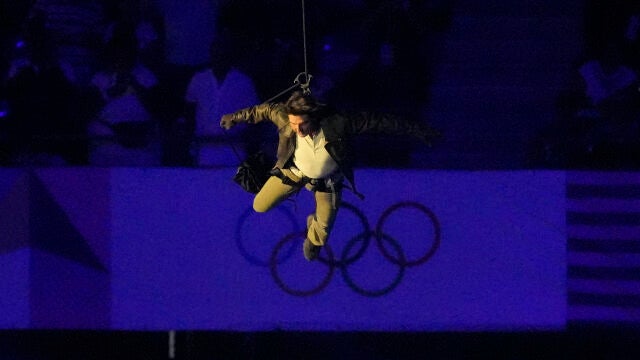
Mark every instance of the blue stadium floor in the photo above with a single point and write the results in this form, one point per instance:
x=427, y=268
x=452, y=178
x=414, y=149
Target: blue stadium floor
x=618, y=342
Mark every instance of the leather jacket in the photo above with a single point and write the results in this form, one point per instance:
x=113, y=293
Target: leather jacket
x=338, y=129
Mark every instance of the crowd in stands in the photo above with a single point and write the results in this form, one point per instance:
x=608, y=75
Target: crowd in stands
x=598, y=117
x=145, y=82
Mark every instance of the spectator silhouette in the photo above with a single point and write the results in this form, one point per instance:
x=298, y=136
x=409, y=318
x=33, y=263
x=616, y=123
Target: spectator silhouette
x=599, y=123
x=45, y=118
x=75, y=28
x=608, y=81
x=142, y=20
x=125, y=130
x=610, y=86
x=213, y=92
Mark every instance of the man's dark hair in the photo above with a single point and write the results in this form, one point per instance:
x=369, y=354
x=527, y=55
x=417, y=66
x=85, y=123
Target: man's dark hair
x=302, y=104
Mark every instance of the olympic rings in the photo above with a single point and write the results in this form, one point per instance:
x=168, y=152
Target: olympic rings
x=248, y=222
x=365, y=225
x=345, y=260
x=278, y=279
x=380, y=292
x=436, y=229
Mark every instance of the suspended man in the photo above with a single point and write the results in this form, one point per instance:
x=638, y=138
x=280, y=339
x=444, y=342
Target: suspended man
x=315, y=152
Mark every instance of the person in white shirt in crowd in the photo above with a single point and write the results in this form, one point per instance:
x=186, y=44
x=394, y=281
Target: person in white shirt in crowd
x=219, y=89
x=125, y=130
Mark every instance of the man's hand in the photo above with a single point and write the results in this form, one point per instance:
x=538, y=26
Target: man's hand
x=226, y=122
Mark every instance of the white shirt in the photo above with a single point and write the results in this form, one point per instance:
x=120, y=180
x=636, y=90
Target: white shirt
x=127, y=106
x=601, y=84
x=214, y=98
x=311, y=158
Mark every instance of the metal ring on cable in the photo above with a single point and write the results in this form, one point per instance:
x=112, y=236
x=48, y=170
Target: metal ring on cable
x=304, y=84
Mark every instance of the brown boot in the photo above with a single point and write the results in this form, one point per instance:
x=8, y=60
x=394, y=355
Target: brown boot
x=310, y=250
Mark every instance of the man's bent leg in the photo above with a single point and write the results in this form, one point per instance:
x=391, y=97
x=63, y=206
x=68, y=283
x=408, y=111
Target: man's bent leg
x=272, y=193
x=321, y=223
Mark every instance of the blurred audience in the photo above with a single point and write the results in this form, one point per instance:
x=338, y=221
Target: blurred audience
x=133, y=83
x=75, y=28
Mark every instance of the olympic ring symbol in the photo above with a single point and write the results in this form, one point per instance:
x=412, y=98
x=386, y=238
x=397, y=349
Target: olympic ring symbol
x=436, y=229
x=345, y=260
x=254, y=224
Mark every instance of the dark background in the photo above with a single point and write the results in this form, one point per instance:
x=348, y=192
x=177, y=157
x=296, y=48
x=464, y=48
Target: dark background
x=485, y=104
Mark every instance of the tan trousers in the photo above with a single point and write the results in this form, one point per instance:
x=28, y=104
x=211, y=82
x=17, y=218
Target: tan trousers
x=274, y=192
